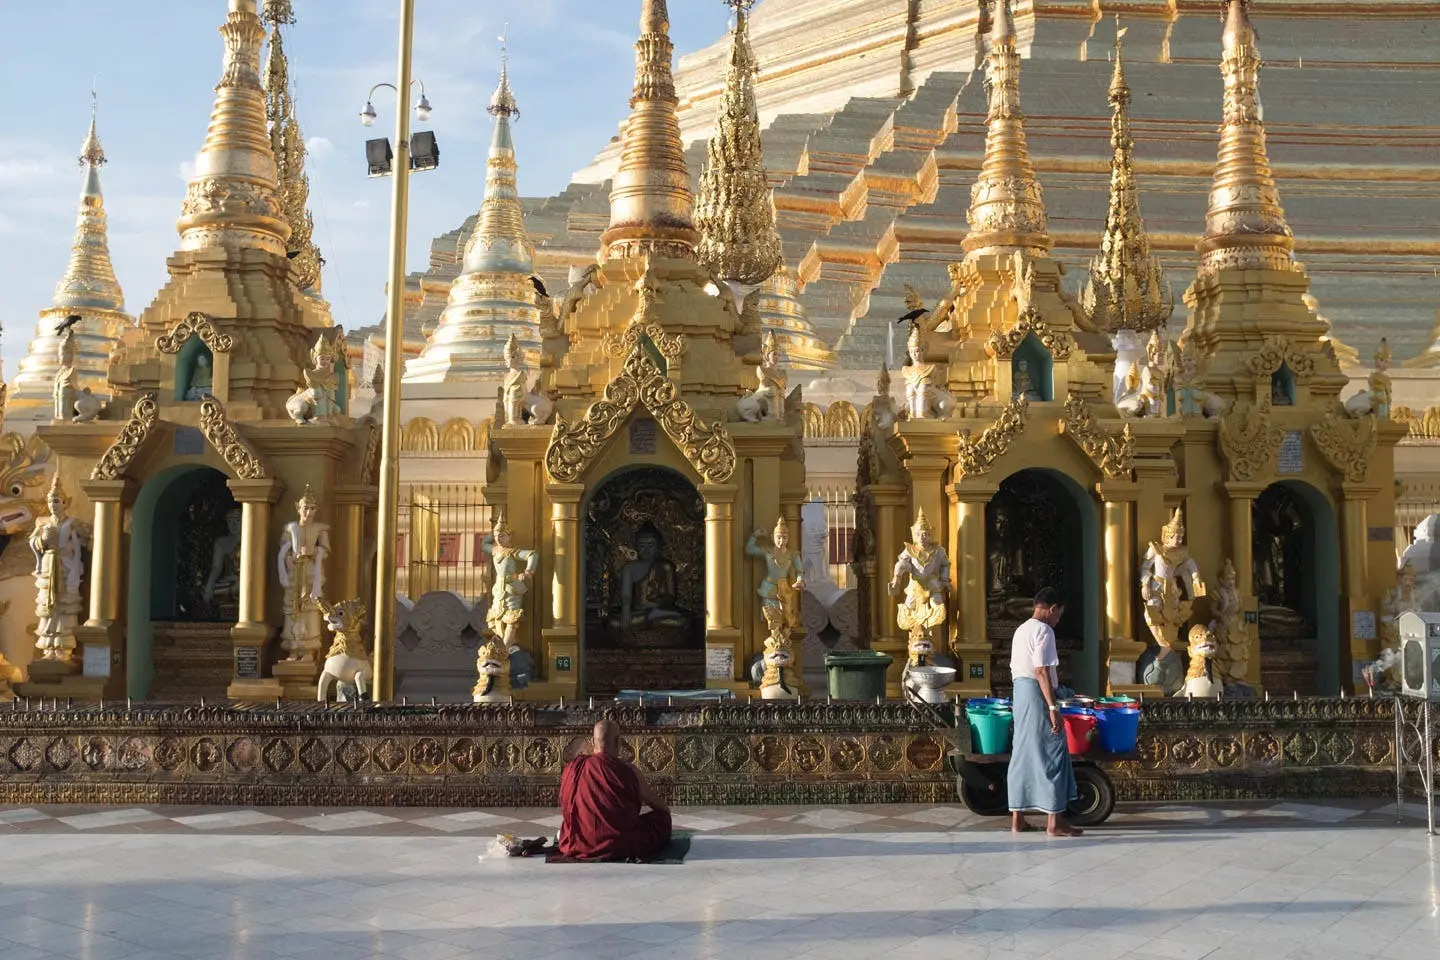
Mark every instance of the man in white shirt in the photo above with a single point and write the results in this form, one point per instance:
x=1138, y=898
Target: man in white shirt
x=1040, y=776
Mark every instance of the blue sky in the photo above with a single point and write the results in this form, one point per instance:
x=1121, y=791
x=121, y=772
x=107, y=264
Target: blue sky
x=571, y=67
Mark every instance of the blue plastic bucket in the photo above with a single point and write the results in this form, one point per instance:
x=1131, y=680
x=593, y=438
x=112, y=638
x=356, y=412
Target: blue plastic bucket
x=1119, y=729
x=992, y=730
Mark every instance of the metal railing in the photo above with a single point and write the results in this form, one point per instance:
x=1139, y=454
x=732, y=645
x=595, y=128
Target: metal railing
x=441, y=528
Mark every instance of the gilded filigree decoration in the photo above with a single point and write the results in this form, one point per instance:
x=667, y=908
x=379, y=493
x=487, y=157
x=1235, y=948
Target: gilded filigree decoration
x=1003, y=343
x=1279, y=351
x=1347, y=444
x=1249, y=439
x=233, y=448
x=734, y=211
x=976, y=455
x=117, y=457
x=644, y=324
x=370, y=464
x=1126, y=288
x=573, y=446
x=24, y=462
x=1115, y=456
x=194, y=325
x=288, y=145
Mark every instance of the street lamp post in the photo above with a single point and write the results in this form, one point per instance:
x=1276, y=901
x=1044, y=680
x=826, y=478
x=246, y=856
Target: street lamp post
x=387, y=522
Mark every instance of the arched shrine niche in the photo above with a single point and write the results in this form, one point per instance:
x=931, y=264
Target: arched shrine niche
x=1032, y=371
x=1040, y=530
x=194, y=370
x=644, y=577
x=1296, y=555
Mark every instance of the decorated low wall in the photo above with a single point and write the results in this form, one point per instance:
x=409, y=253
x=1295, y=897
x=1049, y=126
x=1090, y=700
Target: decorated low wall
x=813, y=752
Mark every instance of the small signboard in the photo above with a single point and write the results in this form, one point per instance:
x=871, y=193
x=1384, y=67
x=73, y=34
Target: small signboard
x=247, y=663
x=95, y=661
x=642, y=437
x=1292, y=453
x=562, y=665
x=1362, y=625
x=977, y=671
x=719, y=663
x=1381, y=535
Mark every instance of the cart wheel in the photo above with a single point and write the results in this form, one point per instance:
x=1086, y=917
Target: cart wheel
x=1097, y=797
x=986, y=802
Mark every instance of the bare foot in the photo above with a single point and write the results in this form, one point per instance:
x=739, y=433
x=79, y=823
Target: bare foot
x=1064, y=830
x=1019, y=824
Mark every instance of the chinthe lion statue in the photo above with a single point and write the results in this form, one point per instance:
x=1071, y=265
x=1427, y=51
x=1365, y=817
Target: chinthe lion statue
x=1202, y=679
x=492, y=665
x=348, y=661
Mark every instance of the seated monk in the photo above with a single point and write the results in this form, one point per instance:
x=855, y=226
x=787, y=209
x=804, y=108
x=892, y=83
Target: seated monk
x=600, y=800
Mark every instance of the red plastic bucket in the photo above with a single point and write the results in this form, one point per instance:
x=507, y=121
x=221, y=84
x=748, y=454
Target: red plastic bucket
x=1079, y=729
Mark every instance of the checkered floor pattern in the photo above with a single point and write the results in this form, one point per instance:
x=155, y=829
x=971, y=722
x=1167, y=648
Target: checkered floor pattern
x=411, y=821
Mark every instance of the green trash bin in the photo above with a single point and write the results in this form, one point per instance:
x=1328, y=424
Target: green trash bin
x=857, y=674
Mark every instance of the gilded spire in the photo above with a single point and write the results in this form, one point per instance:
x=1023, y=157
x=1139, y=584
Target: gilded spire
x=493, y=298
x=1245, y=225
x=1007, y=207
x=232, y=201
x=1126, y=289
x=735, y=212
x=89, y=282
x=88, y=290
x=650, y=201
x=287, y=144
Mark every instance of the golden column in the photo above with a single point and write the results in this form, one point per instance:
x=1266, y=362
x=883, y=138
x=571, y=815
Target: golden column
x=1122, y=647
x=971, y=644
x=253, y=634
x=1355, y=568
x=1241, y=506
x=348, y=541
x=722, y=637
x=561, y=640
x=104, y=628
x=891, y=524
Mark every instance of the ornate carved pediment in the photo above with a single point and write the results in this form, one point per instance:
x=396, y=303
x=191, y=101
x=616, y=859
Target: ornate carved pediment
x=574, y=446
x=227, y=442
x=978, y=454
x=1249, y=438
x=1114, y=456
x=133, y=435
x=1279, y=350
x=1003, y=343
x=194, y=325
x=1347, y=444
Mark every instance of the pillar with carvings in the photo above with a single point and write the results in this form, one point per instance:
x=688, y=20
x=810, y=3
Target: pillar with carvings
x=724, y=658
x=1122, y=647
x=971, y=643
x=252, y=637
x=101, y=637
x=560, y=657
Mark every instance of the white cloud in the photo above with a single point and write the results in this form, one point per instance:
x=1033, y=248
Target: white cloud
x=19, y=171
x=320, y=147
x=186, y=170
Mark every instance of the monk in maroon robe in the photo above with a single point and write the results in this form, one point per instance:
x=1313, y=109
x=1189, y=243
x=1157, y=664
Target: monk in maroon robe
x=600, y=800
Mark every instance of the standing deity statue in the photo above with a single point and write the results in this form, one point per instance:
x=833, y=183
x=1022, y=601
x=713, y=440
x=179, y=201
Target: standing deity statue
x=926, y=568
x=924, y=400
x=1230, y=630
x=57, y=542
x=1169, y=583
x=767, y=402
x=64, y=390
x=514, y=569
x=784, y=579
x=304, y=545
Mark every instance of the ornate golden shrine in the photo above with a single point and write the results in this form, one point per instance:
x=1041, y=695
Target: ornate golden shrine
x=1126, y=453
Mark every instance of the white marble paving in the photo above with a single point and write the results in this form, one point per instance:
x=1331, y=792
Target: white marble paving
x=1301, y=889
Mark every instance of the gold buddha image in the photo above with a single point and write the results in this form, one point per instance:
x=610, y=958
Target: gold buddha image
x=648, y=586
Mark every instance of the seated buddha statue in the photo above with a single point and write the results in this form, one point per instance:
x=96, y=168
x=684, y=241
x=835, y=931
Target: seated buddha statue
x=648, y=589
x=222, y=584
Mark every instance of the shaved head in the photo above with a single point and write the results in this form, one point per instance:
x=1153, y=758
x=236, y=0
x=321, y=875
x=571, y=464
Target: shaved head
x=607, y=737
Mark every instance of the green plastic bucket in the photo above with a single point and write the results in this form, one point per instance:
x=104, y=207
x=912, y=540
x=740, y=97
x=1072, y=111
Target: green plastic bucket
x=857, y=674
x=991, y=730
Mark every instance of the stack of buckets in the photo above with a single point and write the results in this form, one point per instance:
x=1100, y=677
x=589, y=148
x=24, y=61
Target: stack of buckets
x=992, y=725
x=1113, y=722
